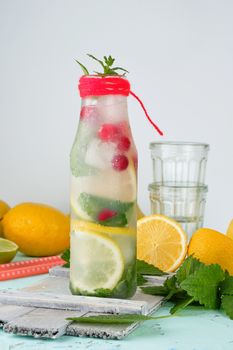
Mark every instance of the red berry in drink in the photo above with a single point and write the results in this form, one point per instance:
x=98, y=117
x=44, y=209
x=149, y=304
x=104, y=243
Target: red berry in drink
x=109, y=132
x=123, y=144
x=87, y=112
x=106, y=214
x=120, y=162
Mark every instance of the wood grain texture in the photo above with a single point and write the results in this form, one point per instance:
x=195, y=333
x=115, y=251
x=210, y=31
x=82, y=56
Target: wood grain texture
x=41, y=309
x=10, y=312
x=41, y=323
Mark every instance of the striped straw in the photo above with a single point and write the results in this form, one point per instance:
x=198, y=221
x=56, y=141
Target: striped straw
x=28, y=268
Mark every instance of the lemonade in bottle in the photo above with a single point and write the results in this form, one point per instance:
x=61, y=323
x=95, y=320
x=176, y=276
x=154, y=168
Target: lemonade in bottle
x=103, y=195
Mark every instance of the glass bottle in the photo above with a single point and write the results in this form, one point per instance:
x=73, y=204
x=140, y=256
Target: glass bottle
x=103, y=195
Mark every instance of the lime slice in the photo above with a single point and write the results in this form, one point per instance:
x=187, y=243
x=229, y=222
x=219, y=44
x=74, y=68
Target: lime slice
x=96, y=262
x=8, y=249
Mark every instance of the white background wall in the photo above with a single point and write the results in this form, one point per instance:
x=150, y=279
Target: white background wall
x=180, y=57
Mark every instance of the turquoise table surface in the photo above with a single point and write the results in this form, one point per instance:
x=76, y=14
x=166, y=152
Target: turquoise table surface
x=194, y=329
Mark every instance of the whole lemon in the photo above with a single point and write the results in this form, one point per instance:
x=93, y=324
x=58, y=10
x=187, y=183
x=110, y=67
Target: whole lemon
x=4, y=208
x=212, y=247
x=38, y=229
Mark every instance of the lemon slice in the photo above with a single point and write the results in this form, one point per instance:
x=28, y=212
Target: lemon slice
x=161, y=242
x=96, y=261
x=8, y=249
x=77, y=225
x=78, y=211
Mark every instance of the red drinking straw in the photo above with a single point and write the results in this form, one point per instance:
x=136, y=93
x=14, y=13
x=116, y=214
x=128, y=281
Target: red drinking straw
x=28, y=268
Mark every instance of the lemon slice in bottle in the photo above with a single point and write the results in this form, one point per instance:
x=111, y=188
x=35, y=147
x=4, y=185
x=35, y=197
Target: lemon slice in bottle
x=77, y=225
x=8, y=250
x=98, y=263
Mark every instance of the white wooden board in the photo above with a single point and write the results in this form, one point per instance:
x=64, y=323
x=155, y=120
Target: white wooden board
x=41, y=310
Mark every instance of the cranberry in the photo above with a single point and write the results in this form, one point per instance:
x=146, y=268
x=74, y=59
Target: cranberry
x=123, y=144
x=120, y=162
x=106, y=214
x=109, y=132
x=87, y=111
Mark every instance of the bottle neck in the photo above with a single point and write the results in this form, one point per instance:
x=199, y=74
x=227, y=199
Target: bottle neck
x=108, y=108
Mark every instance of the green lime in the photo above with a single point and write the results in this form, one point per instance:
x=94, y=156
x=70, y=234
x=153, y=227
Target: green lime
x=8, y=250
x=96, y=261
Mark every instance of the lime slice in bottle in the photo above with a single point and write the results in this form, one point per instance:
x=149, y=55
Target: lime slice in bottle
x=8, y=250
x=98, y=262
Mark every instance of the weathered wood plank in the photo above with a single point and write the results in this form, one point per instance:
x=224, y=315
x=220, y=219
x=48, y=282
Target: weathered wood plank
x=41, y=323
x=73, y=302
x=113, y=331
x=10, y=312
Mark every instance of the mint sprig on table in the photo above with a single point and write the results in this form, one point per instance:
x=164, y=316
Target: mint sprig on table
x=106, y=64
x=194, y=283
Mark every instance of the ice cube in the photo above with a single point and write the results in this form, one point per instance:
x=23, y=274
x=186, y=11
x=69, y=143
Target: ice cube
x=112, y=109
x=100, y=154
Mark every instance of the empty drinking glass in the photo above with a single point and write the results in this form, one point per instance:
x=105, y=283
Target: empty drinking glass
x=179, y=161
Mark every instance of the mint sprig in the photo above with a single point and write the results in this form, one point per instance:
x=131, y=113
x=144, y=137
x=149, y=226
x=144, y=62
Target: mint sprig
x=204, y=284
x=107, y=66
x=194, y=282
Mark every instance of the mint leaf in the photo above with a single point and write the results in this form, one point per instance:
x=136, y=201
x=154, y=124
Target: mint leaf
x=189, y=266
x=103, y=292
x=84, y=69
x=227, y=305
x=169, y=289
x=93, y=205
x=118, y=220
x=226, y=287
x=112, y=319
x=140, y=280
x=155, y=290
x=66, y=256
x=203, y=285
x=181, y=305
x=144, y=268
x=107, y=64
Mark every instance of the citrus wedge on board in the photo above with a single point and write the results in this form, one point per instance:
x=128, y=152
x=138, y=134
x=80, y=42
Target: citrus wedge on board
x=161, y=242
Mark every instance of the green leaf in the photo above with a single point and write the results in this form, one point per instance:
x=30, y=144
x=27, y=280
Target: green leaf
x=155, y=290
x=169, y=289
x=66, y=256
x=84, y=69
x=181, y=305
x=189, y=266
x=118, y=220
x=144, y=268
x=107, y=66
x=119, y=68
x=140, y=280
x=112, y=319
x=103, y=292
x=96, y=59
x=203, y=285
x=93, y=205
x=227, y=305
x=226, y=287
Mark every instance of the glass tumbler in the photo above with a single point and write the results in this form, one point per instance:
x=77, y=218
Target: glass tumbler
x=179, y=161
x=183, y=203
